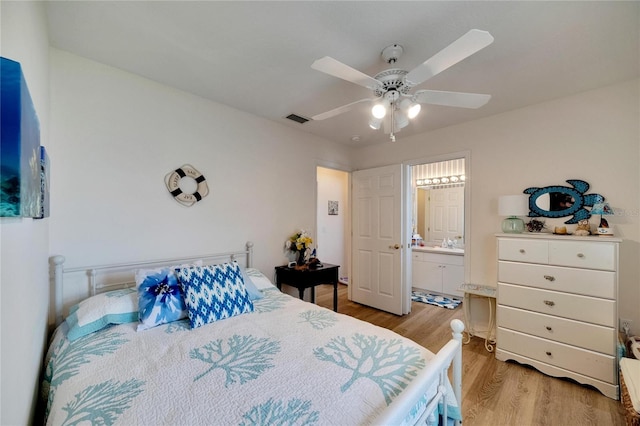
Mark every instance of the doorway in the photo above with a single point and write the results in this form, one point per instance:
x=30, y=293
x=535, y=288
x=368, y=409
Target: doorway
x=438, y=216
x=333, y=219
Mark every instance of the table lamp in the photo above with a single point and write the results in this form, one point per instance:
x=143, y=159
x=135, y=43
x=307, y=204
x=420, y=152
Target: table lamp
x=513, y=206
x=603, y=209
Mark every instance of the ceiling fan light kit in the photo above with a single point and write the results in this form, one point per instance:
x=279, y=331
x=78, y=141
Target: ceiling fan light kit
x=379, y=111
x=394, y=104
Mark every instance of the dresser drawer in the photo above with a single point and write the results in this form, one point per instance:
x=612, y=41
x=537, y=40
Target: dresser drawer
x=519, y=250
x=588, y=363
x=572, y=306
x=587, y=336
x=580, y=281
x=589, y=255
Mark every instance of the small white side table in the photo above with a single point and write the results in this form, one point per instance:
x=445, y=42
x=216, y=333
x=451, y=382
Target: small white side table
x=485, y=292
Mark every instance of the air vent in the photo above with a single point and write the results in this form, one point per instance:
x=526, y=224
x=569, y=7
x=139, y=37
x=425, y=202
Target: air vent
x=297, y=118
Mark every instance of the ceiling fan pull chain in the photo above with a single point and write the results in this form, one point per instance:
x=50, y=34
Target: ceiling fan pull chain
x=392, y=136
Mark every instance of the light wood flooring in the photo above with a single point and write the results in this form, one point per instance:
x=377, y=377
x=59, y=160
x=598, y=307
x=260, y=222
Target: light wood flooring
x=493, y=392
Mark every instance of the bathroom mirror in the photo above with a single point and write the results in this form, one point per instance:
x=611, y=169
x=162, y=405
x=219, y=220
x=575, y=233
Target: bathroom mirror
x=562, y=201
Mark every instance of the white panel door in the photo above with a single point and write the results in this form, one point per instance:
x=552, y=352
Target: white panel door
x=377, y=238
x=447, y=212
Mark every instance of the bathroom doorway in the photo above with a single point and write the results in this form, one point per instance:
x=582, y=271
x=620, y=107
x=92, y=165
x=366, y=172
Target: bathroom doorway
x=439, y=223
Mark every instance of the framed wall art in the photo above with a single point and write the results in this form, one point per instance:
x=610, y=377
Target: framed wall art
x=333, y=208
x=20, y=148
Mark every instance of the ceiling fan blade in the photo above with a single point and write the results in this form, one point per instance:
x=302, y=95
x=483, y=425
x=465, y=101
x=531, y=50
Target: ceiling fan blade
x=453, y=99
x=339, y=110
x=462, y=48
x=333, y=67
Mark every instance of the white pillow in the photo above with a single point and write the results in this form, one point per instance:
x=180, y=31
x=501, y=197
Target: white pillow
x=259, y=279
x=101, y=310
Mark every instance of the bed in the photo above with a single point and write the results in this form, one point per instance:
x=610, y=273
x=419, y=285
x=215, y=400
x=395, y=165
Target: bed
x=284, y=361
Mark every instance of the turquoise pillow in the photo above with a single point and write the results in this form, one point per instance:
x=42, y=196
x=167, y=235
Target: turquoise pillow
x=254, y=293
x=214, y=292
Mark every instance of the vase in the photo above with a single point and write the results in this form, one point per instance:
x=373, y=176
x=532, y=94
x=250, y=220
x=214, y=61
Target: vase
x=300, y=260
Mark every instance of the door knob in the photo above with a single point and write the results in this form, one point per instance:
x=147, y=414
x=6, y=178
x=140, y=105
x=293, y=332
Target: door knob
x=395, y=246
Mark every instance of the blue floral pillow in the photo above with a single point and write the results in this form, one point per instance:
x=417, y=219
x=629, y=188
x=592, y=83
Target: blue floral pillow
x=214, y=293
x=160, y=297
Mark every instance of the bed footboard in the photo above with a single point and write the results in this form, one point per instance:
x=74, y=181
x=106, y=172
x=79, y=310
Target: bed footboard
x=436, y=372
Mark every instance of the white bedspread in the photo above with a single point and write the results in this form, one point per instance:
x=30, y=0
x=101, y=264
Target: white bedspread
x=289, y=362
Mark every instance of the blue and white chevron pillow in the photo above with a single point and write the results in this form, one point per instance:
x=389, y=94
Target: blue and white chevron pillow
x=214, y=293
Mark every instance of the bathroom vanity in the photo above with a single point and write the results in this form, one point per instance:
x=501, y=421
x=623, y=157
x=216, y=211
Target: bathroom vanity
x=438, y=270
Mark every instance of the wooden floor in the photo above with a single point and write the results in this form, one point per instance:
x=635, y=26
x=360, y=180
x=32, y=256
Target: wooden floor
x=493, y=392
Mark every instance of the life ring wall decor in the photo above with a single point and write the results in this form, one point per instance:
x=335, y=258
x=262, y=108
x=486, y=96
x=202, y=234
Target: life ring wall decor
x=172, y=180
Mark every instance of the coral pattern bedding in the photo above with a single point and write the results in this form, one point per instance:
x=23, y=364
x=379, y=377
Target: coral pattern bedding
x=287, y=362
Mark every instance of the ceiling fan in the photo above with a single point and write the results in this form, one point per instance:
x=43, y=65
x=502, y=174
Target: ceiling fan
x=394, y=103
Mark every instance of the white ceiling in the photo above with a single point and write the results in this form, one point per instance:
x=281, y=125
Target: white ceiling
x=257, y=56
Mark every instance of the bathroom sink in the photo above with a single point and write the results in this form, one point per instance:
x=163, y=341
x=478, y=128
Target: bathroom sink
x=443, y=250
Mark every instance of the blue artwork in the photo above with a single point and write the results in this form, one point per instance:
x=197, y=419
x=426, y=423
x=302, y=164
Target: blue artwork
x=43, y=207
x=20, y=145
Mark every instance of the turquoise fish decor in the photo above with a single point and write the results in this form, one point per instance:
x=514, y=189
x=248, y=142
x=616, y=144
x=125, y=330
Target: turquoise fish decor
x=561, y=201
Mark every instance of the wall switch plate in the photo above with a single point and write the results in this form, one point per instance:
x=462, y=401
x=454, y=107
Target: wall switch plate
x=625, y=324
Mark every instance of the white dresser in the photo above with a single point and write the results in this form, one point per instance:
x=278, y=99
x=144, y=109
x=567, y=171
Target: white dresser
x=557, y=306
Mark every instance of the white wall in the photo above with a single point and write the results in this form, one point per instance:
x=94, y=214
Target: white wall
x=332, y=229
x=24, y=248
x=593, y=136
x=117, y=135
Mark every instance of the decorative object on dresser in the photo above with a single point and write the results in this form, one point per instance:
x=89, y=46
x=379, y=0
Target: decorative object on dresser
x=536, y=225
x=583, y=229
x=557, y=306
x=561, y=201
x=513, y=206
x=603, y=209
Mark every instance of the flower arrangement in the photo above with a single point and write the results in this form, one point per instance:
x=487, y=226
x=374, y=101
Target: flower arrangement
x=298, y=243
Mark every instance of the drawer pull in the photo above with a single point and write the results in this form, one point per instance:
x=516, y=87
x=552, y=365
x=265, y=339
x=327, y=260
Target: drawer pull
x=548, y=328
x=580, y=255
x=548, y=353
x=549, y=302
x=549, y=278
x=522, y=251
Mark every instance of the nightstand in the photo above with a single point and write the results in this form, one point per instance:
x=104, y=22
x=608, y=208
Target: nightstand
x=309, y=278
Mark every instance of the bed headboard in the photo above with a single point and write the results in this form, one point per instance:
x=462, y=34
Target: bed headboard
x=72, y=285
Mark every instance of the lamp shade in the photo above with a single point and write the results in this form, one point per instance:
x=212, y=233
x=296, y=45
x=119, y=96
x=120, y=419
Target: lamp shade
x=601, y=208
x=513, y=205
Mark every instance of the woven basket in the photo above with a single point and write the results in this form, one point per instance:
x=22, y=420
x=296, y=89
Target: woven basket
x=630, y=414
